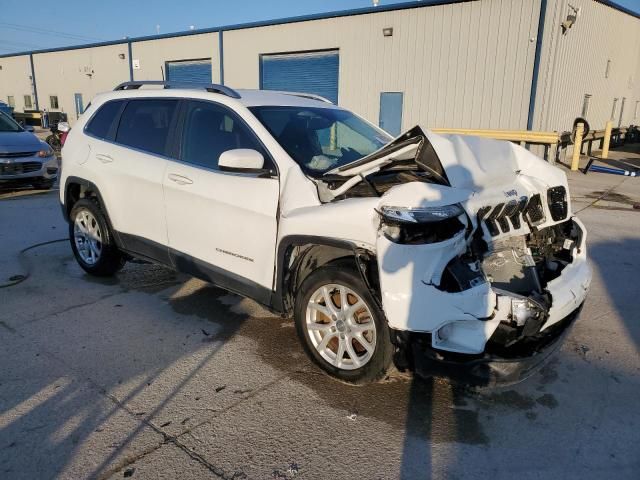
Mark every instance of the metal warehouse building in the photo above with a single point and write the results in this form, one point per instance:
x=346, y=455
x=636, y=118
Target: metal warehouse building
x=496, y=64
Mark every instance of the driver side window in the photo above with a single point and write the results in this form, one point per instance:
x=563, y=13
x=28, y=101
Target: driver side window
x=210, y=130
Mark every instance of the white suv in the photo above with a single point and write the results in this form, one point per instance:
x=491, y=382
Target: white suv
x=446, y=254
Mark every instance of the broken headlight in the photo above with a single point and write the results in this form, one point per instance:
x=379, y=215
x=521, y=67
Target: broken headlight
x=415, y=226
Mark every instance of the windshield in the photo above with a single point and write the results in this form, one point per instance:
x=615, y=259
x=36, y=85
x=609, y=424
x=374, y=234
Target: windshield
x=321, y=139
x=8, y=124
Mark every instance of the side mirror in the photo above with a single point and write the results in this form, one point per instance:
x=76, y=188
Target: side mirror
x=29, y=128
x=63, y=127
x=242, y=160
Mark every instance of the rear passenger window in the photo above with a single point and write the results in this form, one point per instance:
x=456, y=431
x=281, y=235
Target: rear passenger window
x=144, y=124
x=210, y=130
x=102, y=121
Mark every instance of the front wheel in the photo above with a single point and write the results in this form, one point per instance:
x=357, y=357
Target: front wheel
x=341, y=326
x=92, y=240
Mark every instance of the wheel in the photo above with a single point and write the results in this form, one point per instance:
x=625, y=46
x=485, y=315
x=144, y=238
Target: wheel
x=92, y=240
x=43, y=184
x=341, y=327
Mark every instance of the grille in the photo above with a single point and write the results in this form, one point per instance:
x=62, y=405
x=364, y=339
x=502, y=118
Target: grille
x=19, y=168
x=535, y=211
x=557, y=202
x=17, y=154
x=497, y=218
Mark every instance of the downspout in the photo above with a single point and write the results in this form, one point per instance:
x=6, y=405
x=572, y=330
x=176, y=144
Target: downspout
x=221, y=55
x=536, y=64
x=130, y=61
x=33, y=81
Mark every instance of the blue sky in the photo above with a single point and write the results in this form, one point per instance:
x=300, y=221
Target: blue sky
x=47, y=24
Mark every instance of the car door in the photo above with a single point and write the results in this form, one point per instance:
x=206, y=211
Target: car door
x=132, y=166
x=221, y=225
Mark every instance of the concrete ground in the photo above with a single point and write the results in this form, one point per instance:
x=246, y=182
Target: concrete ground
x=158, y=375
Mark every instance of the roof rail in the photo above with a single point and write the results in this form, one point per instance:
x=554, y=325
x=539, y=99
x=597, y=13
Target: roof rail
x=311, y=96
x=211, y=87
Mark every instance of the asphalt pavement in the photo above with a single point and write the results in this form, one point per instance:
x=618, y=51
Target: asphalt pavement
x=154, y=374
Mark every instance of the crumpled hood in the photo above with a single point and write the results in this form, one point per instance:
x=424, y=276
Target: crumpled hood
x=11, y=142
x=476, y=163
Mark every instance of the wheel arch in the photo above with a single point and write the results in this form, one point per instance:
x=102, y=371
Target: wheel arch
x=299, y=255
x=76, y=188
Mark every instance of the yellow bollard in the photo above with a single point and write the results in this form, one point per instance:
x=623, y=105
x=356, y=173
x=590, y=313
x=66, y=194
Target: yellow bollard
x=607, y=140
x=577, y=146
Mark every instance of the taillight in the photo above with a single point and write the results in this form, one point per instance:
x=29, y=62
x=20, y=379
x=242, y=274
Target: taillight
x=63, y=137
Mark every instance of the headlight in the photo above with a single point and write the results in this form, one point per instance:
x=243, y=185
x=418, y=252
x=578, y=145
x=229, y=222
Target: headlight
x=45, y=153
x=421, y=215
x=416, y=226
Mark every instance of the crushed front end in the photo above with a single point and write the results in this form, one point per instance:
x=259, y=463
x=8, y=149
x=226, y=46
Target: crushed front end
x=481, y=284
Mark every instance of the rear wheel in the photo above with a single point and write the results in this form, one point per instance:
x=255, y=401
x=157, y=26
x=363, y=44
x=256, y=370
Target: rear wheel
x=92, y=240
x=341, y=327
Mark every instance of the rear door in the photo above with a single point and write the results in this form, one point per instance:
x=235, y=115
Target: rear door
x=221, y=225
x=132, y=167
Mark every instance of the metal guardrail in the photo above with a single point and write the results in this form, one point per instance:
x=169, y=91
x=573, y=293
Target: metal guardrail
x=528, y=137
x=558, y=140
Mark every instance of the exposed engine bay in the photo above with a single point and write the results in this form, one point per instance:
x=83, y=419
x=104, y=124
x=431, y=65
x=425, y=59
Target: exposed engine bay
x=479, y=254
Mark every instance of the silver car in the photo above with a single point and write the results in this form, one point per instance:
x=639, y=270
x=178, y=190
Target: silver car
x=24, y=159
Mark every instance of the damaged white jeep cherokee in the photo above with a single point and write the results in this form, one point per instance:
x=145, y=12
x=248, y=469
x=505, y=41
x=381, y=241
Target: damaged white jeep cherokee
x=450, y=255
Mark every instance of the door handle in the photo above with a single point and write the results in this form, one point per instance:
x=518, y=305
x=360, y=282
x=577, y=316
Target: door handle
x=179, y=179
x=104, y=158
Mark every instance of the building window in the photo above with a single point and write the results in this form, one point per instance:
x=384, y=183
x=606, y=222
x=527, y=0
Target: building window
x=11, y=101
x=27, y=101
x=53, y=99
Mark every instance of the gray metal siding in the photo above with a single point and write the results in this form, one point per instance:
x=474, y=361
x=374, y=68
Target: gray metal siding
x=574, y=64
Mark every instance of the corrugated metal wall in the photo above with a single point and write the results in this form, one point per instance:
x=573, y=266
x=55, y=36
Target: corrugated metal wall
x=575, y=64
x=87, y=71
x=14, y=80
x=464, y=64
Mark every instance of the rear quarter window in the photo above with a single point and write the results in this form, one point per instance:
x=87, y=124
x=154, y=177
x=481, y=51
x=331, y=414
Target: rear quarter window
x=144, y=124
x=102, y=122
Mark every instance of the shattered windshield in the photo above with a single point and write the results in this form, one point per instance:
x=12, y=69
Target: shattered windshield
x=321, y=139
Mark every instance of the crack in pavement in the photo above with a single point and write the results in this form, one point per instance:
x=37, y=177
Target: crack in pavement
x=604, y=194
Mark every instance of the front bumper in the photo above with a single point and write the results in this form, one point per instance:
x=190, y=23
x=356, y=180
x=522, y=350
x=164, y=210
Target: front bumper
x=25, y=169
x=497, y=365
x=464, y=323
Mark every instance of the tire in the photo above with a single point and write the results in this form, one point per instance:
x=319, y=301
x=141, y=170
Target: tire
x=323, y=344
x=42, y=184
x=97, y=256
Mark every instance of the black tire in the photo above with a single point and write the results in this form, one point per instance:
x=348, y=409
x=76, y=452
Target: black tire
x=43, y=184
x=110, y=259
x=381, y=359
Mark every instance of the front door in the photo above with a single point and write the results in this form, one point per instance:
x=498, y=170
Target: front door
x=222, y=226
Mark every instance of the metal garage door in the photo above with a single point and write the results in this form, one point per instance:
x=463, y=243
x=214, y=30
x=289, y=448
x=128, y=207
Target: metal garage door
x=310, y=72
x=189, y=71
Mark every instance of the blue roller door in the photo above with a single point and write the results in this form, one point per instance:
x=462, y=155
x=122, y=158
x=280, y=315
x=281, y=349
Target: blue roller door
x=189, y=71
x=309, y=72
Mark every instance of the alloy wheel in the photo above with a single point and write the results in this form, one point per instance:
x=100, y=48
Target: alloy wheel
x=340, y=326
